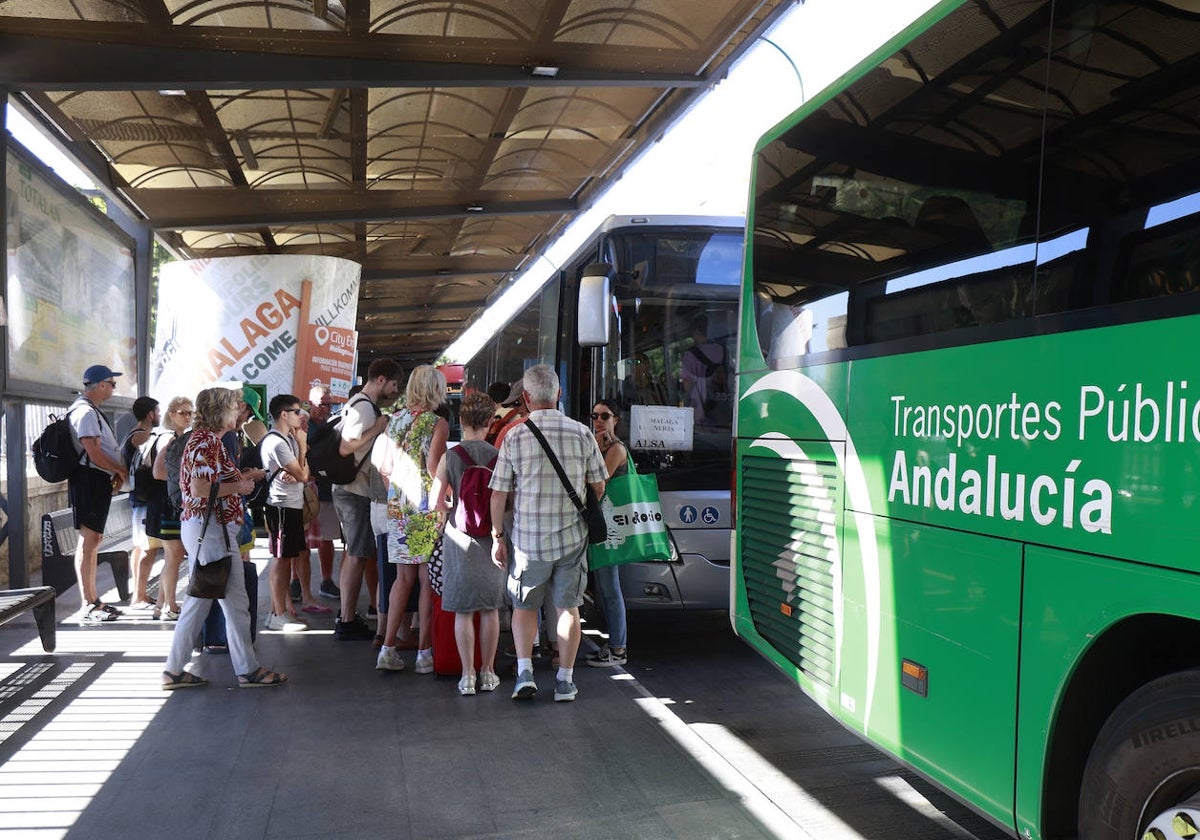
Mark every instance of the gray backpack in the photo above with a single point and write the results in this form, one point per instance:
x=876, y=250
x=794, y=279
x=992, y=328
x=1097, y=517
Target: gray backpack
x=174, y=459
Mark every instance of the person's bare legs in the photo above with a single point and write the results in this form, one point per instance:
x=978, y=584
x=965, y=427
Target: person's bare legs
x=141, y=561
x=371, y=579
x=524, y=630
x=569, y=634
x=406, y=576
x=464, y=637
x=351, y=583
x=302, y=571
x=278, y=577
x=86, y=552
x=489, y=639
x=168, y=582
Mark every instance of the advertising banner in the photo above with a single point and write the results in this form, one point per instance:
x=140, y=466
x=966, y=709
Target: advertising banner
x=328, y=359
x=259, y=319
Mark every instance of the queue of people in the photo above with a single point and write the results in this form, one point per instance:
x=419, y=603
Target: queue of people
x=523, y=549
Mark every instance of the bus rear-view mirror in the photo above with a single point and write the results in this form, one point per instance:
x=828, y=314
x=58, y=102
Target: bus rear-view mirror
x=594, y=295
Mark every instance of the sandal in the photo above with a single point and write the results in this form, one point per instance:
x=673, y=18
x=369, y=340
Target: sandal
x=183, y=679
x=262, y=678
x=99, y=612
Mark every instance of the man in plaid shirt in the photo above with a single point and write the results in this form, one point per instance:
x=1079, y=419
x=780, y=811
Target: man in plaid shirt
x=549, y=541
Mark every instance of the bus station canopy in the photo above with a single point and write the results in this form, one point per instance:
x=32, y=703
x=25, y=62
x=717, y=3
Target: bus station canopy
x=440, y=145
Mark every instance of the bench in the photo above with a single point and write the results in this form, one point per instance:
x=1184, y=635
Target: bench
x=40, y=599
x=59, y=539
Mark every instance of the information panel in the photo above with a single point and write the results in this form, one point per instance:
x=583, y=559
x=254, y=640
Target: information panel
x=70, y=288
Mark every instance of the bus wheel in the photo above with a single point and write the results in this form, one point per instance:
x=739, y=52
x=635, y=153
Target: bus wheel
x=1142, y=780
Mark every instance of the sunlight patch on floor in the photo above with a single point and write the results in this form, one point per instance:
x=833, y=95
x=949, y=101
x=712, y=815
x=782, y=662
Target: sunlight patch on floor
x=49, y=781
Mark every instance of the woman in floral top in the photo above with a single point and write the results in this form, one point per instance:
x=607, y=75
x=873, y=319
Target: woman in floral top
x=206, y=463
x=408, y=455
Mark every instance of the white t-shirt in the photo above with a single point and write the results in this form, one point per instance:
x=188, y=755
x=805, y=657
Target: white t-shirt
x=278, y=451
x=360, y=416
x=86, y=422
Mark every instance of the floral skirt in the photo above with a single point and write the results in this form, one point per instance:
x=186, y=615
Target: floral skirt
x=411, y=535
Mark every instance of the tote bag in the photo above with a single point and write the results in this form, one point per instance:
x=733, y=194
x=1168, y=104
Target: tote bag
x=636, y=528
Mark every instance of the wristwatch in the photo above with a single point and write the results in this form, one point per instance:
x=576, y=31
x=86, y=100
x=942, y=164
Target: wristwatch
x=497, y=534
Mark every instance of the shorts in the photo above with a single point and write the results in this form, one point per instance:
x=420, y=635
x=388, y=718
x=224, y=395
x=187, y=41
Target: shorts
x=354, y=512
x=324, y=526
x=90, y=494
x=140, y=531
x=559, y=583
x=168, y=526
x=285, y=531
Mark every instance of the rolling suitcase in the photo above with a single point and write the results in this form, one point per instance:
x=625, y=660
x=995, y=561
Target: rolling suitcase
x=446, y=661
x=213, y=638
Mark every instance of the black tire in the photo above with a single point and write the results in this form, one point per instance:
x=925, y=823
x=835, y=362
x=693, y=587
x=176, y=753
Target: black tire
x=1145, y=761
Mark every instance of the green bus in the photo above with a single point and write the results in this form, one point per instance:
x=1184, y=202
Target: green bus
x=967, y=444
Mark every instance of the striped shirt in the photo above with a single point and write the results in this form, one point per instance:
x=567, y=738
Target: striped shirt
x=546, y=524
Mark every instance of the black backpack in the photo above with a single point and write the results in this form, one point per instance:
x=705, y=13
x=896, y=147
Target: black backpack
x=143, y=485
x=55, y=455
x=324, y=459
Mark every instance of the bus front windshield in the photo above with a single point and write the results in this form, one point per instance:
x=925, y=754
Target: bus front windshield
x=669, y=365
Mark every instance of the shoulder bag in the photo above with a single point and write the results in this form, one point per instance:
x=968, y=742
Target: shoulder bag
x=637, y=531
x=208, y=580
x=593, y=517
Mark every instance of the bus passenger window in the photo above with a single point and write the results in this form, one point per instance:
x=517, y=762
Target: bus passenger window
x=789, y=331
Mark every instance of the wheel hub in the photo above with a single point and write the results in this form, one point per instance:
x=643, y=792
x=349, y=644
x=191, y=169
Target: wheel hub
x=1181, y=821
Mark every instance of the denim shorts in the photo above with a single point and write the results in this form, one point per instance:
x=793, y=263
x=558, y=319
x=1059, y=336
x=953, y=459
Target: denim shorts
x=354, y=512
x=559, y=583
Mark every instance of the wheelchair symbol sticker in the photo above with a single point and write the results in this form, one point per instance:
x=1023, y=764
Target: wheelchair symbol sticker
x=710, y=515
x=687, y=514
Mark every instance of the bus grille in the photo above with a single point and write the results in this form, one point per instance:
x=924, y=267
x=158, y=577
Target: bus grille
x=787, y=517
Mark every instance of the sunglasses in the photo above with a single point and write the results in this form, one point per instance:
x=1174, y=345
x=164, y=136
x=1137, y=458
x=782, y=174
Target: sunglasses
x=292, y=410
x=185, y=412
x=601, y=415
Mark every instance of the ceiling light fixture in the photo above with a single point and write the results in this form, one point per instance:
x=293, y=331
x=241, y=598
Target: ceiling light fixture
x=548, y=71
x=474, y=208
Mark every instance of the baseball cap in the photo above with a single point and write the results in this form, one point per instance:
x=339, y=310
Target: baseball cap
x=514, y=396
x=98, y=373
x=254, y=402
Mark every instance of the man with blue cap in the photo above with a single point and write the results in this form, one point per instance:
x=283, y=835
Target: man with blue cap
x=91, y=488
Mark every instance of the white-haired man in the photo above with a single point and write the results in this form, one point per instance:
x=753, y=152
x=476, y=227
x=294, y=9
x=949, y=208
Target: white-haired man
x=549, y=541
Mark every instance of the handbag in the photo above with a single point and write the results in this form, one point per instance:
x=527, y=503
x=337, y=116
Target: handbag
x=593, y=516
x=312, y=504
x=637, y=531
x=209, y=580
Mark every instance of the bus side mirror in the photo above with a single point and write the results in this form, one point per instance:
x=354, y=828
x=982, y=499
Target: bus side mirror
x=595, y=293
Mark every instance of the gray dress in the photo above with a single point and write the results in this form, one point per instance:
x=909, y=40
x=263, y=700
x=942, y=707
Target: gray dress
x=470, y=580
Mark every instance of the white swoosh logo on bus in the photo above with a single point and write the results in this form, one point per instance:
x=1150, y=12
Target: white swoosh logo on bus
x=799, y=386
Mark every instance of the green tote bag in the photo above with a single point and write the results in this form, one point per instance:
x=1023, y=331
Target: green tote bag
x=636, y=528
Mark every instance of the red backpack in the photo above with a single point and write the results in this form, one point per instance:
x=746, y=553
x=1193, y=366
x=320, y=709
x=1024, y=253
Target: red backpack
x=473, y=516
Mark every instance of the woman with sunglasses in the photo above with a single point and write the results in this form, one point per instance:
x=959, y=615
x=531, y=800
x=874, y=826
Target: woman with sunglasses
x=162, y=517
x=607, y=580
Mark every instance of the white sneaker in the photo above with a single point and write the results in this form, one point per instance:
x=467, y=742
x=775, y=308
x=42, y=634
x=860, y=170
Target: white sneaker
x=424, y=664
x=488, y=681
x=285, y=624
x=389, y=660
x=466, y=686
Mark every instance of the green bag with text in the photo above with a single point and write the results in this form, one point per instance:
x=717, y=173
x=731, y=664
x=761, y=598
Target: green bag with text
x=636, y=529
